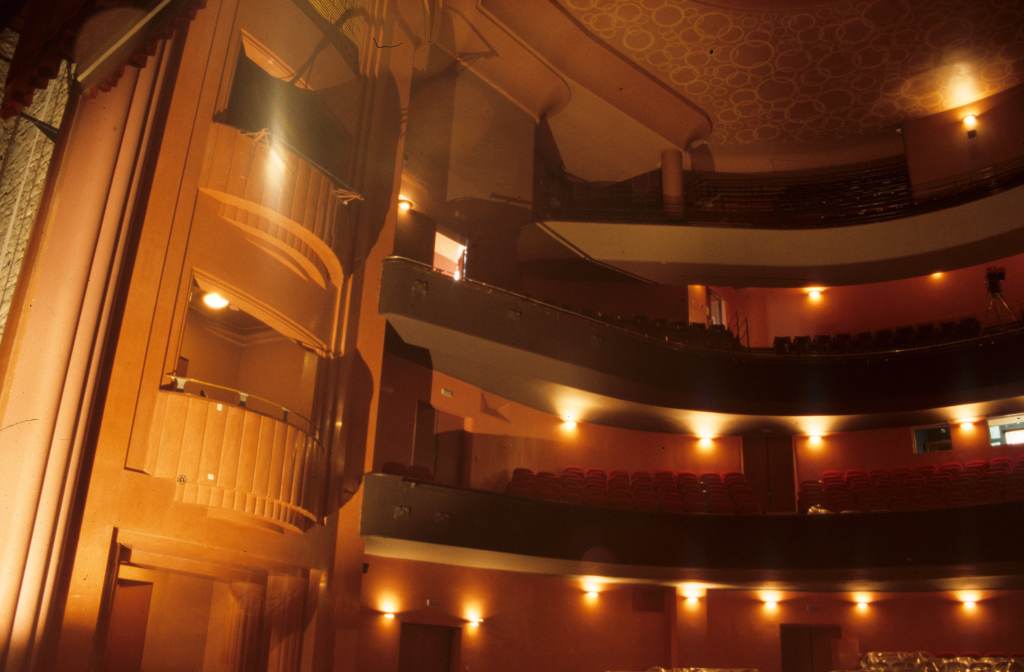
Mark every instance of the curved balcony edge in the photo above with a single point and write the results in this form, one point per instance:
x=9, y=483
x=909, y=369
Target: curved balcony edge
x=551, y=358
x=896, y=551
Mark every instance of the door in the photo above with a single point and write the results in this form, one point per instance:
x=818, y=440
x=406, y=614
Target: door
x=807, y=648
x=425, y=648
x=768, y=466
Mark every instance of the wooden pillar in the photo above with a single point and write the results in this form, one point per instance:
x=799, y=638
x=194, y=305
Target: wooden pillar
x=283, y=611
x=234, y=640
x=55, y=340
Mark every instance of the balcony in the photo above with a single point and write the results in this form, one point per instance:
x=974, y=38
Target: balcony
x=227, y=452
x=910, y=550
x=557, y=360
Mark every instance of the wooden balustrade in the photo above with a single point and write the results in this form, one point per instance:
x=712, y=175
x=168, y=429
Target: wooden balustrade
x=229, y=457
x=277, y=196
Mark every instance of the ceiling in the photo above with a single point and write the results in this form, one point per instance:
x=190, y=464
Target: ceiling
x=783, y=72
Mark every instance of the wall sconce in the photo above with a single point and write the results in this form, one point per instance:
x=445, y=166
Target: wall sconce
x=971, y=124
x=815, y=294
x=705, y=442
x=815, y=440
x=569, y=422
x=770, y=598
x=404, y=203
x=389, y=615
x=967, y=425
x=863, y=601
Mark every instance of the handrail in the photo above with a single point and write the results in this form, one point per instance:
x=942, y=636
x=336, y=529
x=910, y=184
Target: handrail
x=767, y=353
x=843, y=196
x=242, y=399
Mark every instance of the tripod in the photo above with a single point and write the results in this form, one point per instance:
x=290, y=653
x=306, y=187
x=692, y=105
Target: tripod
x=997, y=306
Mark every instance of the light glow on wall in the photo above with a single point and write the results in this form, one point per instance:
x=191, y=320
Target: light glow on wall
x=937, y=275
x=404, y=203
x=815, y=294
x=969, y=599
x=970, y=122
x=966, y=425
x=815, y=440
x=770, y=598
x=863, y=601
x=569, y=422
x=706, y=442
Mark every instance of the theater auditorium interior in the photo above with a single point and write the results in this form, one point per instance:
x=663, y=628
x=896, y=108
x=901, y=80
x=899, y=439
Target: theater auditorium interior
x=512, y=335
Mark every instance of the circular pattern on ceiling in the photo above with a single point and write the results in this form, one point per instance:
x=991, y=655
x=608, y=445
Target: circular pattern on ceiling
x=816, y=70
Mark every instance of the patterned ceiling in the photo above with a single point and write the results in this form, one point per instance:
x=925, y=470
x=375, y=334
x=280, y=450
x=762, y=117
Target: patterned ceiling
x=803, y=71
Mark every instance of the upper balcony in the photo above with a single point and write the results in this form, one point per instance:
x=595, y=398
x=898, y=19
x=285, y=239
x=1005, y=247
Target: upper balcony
x=561, y=361
x=859, y=224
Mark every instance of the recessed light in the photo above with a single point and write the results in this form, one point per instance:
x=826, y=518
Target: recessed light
x=215, y=301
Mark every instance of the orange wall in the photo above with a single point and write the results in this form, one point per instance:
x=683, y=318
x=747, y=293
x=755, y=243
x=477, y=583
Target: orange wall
x=937, y=147
x=733, y=628
x=504, y=435
x=960, y=293
x=623, y=298
x=531, y=622
x=890, y=448
x=547, y=623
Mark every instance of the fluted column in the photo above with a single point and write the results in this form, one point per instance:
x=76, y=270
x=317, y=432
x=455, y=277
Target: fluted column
x=283, y=614
x=56, y=337
x=234, y=640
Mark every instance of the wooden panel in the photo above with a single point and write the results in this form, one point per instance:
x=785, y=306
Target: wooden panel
x=229, y=457
x=126, y=635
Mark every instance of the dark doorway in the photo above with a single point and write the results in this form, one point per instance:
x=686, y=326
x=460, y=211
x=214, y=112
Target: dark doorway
x=426, y=648
x=808, y=648
x=126, y=636
x=768, y=466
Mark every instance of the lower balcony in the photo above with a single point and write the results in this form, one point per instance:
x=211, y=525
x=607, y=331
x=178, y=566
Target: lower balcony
x=900, y=550
x=565, y=362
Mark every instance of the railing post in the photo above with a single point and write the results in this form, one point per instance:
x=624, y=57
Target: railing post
x=672, y=183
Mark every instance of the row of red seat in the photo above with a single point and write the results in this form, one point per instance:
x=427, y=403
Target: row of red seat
x=948, y=485
x=662, y=491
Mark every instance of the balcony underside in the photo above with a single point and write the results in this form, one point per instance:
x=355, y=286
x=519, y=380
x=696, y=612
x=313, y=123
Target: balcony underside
x=562, y=362
x=921, y=550
x=972, y=233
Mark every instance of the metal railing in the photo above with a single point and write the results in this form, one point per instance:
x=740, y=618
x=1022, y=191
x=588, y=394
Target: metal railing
x=251, y=402
x=857, y=194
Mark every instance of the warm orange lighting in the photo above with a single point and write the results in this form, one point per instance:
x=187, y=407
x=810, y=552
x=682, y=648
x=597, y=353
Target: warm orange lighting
x=389, y=615
x=569, y=422
x=937, y=275
x=815, y=293
x=966, y=425
x=970, y=605
x=815, y=440
x=970, y=121
x=770, y=599
x=592, y=594
x=863, y=606
x=969, y=599
x=404, y=204
x=215, y=301
x=705, y=442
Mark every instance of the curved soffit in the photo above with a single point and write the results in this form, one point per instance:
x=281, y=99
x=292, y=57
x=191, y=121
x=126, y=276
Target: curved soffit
x=806, y=71
x=973, y=233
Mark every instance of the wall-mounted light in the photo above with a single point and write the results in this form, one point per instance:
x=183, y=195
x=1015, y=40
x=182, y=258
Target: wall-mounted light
x=937, y=275
x=692, y=592
x=705, y=442
x=966, y=425
x=969, y=599
x=770, y=600
x=815, y=294
x=215, y=301
x=863, y=601
x=815, y=440
x=404, y=203
x=591, y=589
x=389, y=615
x=569, y=422
x=970, y=122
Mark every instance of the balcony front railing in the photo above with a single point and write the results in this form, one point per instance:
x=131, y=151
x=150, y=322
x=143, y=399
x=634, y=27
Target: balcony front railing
x=233, y=457
x=860, y=194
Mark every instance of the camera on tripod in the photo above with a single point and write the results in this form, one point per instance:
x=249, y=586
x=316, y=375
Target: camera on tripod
x=994, y=276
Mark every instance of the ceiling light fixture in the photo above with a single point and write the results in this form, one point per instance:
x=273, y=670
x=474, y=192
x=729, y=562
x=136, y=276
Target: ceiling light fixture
x=215, y=301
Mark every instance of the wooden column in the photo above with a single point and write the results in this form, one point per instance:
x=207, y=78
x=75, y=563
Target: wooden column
x=55, y=340
x=672, y=183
